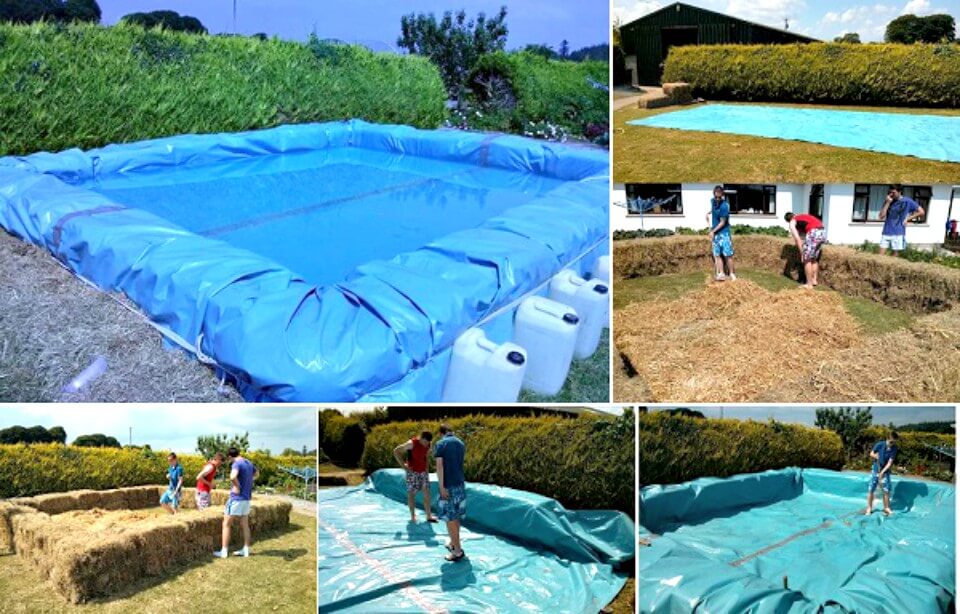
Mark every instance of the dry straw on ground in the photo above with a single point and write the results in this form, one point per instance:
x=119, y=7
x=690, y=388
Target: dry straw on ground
x=89, y=553
x=730, y=341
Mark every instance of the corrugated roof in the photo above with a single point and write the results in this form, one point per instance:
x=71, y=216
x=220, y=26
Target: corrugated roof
x=699, y=8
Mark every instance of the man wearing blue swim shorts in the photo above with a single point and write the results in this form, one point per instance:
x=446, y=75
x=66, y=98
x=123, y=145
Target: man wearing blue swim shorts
x=449, y=453
x=722, y=243
x=883, y=455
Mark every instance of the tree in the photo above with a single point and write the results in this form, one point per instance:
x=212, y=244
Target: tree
x=57, y=434
x=33, y=434
x=846, y=422
x=541, y=50
x=29, y=11
x=208, y=445
x=97, y=440
x=454, y=43
x=909, y=29
x=564, y=49
x=600, y=53
x=168, y=20
x=849, y=37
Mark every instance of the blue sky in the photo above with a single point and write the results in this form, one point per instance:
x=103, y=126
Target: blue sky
x=175, y=428
x=822, y=19
x=376, y=23
x=904, y=414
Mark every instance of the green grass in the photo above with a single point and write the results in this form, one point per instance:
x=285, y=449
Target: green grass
x=280, y=576
x=874, y=318
x=588, y=381
x=657, y=155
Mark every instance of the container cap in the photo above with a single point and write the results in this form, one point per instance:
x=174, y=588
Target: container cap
x=601, y=289
x=516, y=358
x=571, y=318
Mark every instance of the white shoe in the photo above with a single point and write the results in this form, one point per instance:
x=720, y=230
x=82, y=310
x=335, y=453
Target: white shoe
x=719, y=278
x=242, y=552
x=220, y=554
x=733, y=277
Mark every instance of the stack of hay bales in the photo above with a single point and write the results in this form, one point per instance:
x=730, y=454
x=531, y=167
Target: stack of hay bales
x=94, y=543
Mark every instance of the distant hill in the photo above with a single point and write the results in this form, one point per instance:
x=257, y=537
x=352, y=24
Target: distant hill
x=599, y=52
x=944, y=428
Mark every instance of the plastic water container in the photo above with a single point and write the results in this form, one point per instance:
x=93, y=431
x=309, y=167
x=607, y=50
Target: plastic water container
x=548, y=331
x=589, y=299
x=601, y=270
x=482, y=371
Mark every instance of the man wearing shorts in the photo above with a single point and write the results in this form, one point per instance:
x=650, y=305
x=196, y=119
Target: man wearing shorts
x=412, y=456
x=897, y=212
x=719, y=234
x=242, y=475
x=809, y=235
x=170, y=499
x=205, y=480
x=883, y=455
x=449, y=453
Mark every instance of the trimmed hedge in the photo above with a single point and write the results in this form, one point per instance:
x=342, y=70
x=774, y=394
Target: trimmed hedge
x=86, y=86
x=342, y=438
x=585, y=462
x=676, y=449
x=27, y=470
x=911, y=75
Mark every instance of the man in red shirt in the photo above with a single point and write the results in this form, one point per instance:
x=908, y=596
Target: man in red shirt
x=809, y=245
x=412, y=456
x=205, y=480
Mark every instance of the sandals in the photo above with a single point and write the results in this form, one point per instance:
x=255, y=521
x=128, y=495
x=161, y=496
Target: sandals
x=454, y=557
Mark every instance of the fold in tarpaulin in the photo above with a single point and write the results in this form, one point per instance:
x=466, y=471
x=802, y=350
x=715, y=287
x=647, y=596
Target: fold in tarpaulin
x=319, y=262
x=525, y=552
x=729, y=545
x=934, y=137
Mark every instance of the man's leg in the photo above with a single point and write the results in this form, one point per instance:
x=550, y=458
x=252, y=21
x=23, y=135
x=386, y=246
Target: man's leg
x=869, y=502
x=453, y=529
x=816, y=272
x=224, y=537
x=882, y=251
x=426, y=503
x=808, y=274
x=412, y=504
x=245, y=525
x=730, y=268
x=718, y=267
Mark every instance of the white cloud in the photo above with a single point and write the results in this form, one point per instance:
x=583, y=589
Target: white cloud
x=768, y=12
x=631, y=11
x=917, y=7
x=869, y=21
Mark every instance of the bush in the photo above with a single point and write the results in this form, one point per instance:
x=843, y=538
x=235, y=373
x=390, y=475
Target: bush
x=86, y=86
x=27, y=470
x=342, y=439
x=737, y=229
x=585, y=462
x=910, y=75
x=527, y=93
x=676, y=449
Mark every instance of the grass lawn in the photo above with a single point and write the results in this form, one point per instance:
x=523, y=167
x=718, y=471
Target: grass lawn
x=588, y=381
x=279, y=576
x=657, y=155
x=874, y=318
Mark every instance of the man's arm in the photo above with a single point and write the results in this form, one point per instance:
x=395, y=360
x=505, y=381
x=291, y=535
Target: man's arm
x=235, y=481
x=202, y=476
x=443, y=491
x=399, y=451
x=718, y=227
x=885, y=208
x=886, y=467
x=179, y=482
x=797, y=239
x=917, y=213
x=874, y=455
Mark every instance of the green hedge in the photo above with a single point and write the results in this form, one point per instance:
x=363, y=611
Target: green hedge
x=676, y=449
x=33, y=469
x=545, y=93
x=912, y=75
x=86, y=86
x=585, y=462
x=737, y=229
x=342, y=438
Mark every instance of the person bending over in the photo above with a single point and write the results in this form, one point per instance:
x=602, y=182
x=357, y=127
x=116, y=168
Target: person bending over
x=809, y=235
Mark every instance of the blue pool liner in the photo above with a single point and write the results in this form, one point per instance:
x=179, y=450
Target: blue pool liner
x=933, y=137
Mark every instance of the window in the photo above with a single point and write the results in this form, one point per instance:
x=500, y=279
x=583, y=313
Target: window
x=752, y=199
x=654, y=199
x=868, y=200
x=815, y=206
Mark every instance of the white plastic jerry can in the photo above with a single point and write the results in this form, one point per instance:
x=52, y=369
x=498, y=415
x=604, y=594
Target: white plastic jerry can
x=601, y=270
x=548, y=331
x=589, y=299
x=482, y=371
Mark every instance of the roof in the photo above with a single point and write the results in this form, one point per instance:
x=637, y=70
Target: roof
x=698, y=8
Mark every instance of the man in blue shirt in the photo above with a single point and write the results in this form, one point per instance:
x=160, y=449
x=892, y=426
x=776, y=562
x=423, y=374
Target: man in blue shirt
x=897, y=212
x=720, y=235
x=170, y=500
x=449, y=453
x=242, y=474
x=883, y=455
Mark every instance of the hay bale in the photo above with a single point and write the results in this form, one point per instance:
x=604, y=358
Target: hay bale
x=680, y=92
x=7, y=512
x=730, y=341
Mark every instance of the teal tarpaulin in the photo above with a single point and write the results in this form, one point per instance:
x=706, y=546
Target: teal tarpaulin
x=525, y=552
x=934, y=137
x=730, y=545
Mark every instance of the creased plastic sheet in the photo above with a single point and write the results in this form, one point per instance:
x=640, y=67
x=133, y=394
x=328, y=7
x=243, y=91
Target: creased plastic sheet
x=525, y=552
x=728, y=545
x=934, y=137
x=306, y=317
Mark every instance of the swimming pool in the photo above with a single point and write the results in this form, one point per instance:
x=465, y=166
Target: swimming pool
x=322, y=262
x=796, y=540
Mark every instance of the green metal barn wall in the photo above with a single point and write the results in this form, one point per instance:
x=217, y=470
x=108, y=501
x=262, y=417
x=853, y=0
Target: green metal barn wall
x=642, y=37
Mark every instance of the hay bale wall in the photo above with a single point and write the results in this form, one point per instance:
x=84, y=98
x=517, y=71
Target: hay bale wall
x=95, y=552
x=912, y=286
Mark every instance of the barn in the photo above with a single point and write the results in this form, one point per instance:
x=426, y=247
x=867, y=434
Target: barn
x=645, y=42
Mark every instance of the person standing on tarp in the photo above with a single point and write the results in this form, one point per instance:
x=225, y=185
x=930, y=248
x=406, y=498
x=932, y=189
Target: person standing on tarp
x=883, y=455
x=897, y=212
x=722, y=243
x=809, y=235
x=450, y=452
x=412, y=456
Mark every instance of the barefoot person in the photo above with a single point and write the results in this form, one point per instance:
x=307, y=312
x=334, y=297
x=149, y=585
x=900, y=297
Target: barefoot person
x=170, y=500
x=722, y=243
x=809, y=235
x=883, y=455
x=412, y=456
x=897, y=212
x=453, y=494
x=242, y=474
x=205, y=480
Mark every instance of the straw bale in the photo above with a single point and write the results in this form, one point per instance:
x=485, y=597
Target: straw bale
x=730, y=341
x=7, y=512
